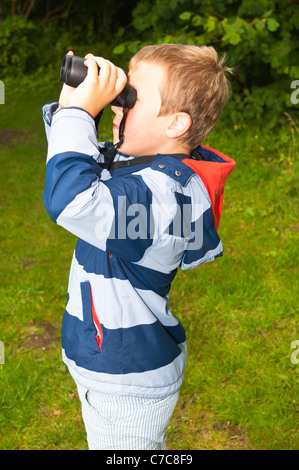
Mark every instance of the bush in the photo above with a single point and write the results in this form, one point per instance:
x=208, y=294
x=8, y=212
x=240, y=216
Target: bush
x=17, y=45
x=259, y=38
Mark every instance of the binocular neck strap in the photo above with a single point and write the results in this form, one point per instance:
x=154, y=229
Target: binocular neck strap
x=115, y=147
x=122, y=128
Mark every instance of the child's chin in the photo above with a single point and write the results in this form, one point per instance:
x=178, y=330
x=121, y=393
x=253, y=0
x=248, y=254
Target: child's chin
x=115, y=136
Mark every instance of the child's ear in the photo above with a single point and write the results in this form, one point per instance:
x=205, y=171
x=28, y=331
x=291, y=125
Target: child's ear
x=180, y=123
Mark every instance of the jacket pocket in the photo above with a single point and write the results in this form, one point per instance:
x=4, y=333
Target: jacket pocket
x=89, y=312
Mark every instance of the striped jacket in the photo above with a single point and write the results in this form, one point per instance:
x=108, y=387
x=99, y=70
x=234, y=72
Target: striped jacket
x=136, y=225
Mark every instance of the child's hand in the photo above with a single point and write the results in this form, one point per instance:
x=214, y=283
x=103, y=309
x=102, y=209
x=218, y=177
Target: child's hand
x=97, y=90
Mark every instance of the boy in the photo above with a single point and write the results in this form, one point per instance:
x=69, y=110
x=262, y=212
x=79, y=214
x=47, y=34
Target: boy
x=155, y=208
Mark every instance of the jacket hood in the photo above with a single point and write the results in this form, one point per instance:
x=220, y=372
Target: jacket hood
x=213, y=170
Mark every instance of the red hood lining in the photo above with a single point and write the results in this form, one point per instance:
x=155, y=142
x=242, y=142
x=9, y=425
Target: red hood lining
x=213, y=174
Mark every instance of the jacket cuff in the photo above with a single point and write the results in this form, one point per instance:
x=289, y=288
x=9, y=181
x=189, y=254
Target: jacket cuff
x=73, y=130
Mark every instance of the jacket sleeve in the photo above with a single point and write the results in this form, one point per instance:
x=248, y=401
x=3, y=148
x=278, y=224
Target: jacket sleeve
x=83, y=198
x=48, y=111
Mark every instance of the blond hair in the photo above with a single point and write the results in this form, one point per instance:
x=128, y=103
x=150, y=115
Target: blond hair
x=195, y=83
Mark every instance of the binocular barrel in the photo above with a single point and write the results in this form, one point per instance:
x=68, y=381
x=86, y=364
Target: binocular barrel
x=73, y=72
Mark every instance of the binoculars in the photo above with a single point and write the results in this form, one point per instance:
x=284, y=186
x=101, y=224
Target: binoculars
x=73, y=72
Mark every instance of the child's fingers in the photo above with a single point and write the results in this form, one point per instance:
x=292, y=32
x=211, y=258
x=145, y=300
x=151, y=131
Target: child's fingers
x=118, y=78
x=105, y=69
x=113, y=72
x=93, y=62
x=110, y=74
x=92, y=69
x=98, y=90
x=89, y=56
x=121, y=80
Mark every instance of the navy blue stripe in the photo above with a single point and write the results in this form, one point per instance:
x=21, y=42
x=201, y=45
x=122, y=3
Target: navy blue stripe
x=67, y=174
x=209, y=238
x=169, y=166
x=182, y=199
x=145, y=278
x=181, y=225
x=137, y=349
x=130, y=235
x=96, y=261
x=124, y=350
x=210, y=156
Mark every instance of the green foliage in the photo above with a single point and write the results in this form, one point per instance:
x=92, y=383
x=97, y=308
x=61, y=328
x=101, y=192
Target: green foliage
x=17, y=45
x=35, y=35
x=260, y=39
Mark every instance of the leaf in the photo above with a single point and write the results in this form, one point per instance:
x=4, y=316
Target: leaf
x=267, y=13
x=202, y=40
x=232, y=37
x=260, y=25
x=185, y=16
x=133, y=48
x=210, y=24
x=197, y=20
x=272, y=24
x=119, y=49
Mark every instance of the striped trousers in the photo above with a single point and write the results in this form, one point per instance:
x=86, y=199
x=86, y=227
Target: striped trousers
x=114, y=422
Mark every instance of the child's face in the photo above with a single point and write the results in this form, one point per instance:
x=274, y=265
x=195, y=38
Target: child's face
x=145, y=132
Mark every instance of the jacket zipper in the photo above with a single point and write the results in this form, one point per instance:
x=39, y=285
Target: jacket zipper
x=99, y=335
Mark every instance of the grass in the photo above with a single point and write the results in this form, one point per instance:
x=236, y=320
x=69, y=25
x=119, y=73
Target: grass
x=240, y=312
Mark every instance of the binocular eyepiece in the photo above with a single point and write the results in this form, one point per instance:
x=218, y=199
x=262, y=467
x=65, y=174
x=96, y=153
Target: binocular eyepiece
x=73, y=72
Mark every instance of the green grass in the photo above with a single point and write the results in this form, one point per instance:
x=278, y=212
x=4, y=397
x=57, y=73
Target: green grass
x=240, y=312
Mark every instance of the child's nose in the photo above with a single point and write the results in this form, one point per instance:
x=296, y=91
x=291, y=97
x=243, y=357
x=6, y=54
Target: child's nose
x=117, y=110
